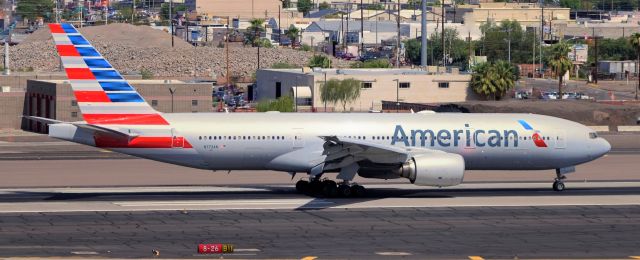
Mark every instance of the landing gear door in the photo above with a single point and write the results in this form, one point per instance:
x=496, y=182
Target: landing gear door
x=177, y=142
x=561, y=139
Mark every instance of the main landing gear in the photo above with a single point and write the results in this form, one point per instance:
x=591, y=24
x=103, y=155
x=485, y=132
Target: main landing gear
x=558, y=184
x=329, y=189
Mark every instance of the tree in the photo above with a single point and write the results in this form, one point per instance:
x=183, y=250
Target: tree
x=634, y=40
x=372, y=64
x=559, y=62
x=495, y=42
x=304, y=6
x=377, y=6
x=164, y=9
x=32, y=9
x=282, y=104
x=252, y=35
x=320, y=61
x=286, y=3
x=414, y=4
x=292, y=33
x=340, y=91
x=493, y=79
x=573, y=4
x=324, y=5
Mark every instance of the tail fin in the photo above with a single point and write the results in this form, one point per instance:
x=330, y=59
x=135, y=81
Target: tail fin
x=103, y=95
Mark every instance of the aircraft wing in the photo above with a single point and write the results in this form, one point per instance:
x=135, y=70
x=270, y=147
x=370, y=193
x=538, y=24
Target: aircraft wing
x=342, y=152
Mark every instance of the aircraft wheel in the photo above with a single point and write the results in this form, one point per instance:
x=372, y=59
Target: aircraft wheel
x=344, y=191
x=315, y=187
x=558, y=186
x=329, y=188
x=357, y=191
x=302, y=186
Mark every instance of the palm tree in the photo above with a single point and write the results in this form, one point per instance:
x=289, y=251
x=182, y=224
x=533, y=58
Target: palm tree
x=634, y=39
x=255, y=30
x=493, y=79
x=506, y=77
x=559, y=62
x=292, y=33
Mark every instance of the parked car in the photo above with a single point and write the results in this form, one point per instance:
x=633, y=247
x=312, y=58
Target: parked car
x=550, y=95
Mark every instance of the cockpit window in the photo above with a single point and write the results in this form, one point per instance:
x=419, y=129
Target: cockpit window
x=593, y=135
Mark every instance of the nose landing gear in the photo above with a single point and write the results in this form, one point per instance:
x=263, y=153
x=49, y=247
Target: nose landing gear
x=558, y=184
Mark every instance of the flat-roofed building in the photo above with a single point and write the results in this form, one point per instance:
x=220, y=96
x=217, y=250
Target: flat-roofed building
x=54, y=99
x=406, y=85
x=243, y=9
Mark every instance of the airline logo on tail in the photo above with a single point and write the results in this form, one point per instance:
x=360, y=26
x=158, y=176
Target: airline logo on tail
x=106, y=99
x=537, y=140
x=103, y=95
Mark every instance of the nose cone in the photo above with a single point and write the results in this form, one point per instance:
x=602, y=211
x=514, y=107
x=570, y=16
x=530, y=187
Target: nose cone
x=603, y=147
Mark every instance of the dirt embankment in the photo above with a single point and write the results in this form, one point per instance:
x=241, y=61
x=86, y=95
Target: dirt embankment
x=134, y=48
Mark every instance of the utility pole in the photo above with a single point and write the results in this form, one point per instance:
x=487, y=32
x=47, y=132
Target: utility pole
x=541, y=36
x=133, y=11
x=344, y=38
x=57, y=9
x=595, y=38
x=361, y=28
x=638, y=70
x=444, y=53
x=106, y=14
x=171, y=20
x=227, y=51
x=398, y=42
x=509, y=40
x=470, y=50
x=279, y=25
x=423, y=37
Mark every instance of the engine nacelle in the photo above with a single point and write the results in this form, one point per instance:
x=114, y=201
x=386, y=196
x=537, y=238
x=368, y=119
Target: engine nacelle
x=436, y=169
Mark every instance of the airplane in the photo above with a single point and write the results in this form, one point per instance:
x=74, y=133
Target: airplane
x=427, y=148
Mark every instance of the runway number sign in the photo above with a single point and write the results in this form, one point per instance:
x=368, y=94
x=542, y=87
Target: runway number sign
x=215, y=248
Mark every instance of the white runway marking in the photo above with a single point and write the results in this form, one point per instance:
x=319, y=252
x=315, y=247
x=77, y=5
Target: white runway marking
x=467, y=195
x=84, y=253
x=393, y=253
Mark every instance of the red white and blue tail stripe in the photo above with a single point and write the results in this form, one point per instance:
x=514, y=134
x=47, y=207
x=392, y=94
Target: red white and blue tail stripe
x=107, y=100
x=103, y=95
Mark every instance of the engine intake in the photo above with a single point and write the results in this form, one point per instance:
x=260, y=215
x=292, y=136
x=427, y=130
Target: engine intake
x=441, y=169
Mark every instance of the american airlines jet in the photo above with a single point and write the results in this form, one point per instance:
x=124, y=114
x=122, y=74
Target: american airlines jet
x=432, y=149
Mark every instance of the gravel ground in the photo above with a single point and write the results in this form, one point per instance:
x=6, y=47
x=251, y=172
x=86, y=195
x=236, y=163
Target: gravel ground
x=134, y=48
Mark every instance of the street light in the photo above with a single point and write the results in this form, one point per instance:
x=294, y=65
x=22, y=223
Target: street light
x=509, y=41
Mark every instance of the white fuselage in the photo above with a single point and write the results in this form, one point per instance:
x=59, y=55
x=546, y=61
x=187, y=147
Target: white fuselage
x=486, y=141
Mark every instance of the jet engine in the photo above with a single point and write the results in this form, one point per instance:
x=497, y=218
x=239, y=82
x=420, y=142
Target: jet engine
x=433, y=169
x=439, y=169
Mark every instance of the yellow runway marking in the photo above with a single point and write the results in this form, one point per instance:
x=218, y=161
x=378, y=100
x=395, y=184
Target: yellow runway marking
x=634, y=257
x=475, y=257
x=309, y=258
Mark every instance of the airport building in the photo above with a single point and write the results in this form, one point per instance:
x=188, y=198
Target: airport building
x=54, y=99
x=403, y=85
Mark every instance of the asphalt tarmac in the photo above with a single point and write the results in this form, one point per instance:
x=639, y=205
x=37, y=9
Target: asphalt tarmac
x=592, y=220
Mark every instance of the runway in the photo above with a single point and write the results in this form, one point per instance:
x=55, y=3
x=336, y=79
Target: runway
x=526, y=220
x=65, y=200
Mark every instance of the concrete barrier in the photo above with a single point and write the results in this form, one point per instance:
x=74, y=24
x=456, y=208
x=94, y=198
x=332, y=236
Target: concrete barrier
x=600, y=128
x=629, y=128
